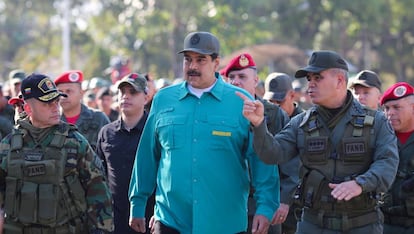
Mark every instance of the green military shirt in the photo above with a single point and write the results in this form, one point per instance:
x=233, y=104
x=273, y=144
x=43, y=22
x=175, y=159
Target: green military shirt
x=30, y=149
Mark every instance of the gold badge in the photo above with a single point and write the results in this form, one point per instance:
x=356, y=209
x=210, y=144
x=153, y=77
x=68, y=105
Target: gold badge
x=243, y=61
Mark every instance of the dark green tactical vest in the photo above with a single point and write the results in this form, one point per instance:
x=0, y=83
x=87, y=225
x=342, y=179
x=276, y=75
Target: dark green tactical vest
x=40, y=191
x=398, y=204
x=324, y=163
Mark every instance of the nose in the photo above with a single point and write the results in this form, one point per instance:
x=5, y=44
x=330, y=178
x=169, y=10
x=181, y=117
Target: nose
x=235, y=81
x=193, y=65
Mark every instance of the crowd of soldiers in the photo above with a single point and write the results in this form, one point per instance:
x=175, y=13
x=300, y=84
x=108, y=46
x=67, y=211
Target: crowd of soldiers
x=333, y=157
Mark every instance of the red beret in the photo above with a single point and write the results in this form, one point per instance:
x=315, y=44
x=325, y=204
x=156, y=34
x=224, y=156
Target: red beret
x=397, y=91
x=239, y=62
x=15, y=100
x=73, y=76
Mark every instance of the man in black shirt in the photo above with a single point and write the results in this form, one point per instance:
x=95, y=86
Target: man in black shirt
x=117, y=145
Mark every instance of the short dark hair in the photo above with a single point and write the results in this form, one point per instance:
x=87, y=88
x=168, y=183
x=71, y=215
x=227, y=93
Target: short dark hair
x=214, y=56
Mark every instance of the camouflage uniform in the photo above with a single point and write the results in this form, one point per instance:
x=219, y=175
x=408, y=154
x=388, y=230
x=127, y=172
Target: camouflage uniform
x=51, y=182
x=90, y=123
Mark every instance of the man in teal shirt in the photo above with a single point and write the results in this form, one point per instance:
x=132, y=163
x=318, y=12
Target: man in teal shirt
x=196, y=150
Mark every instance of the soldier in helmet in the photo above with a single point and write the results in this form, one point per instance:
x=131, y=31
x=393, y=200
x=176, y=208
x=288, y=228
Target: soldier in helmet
x=348, y=152
x=51, y=180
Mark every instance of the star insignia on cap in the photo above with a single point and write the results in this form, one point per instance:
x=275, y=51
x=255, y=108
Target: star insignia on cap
x=400, y=91
x=243, y=61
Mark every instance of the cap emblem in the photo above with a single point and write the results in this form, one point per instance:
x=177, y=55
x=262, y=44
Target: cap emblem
x=313, y=58
x=243, y=61
x=74, y=77
x=400, y=91
x=195, y=39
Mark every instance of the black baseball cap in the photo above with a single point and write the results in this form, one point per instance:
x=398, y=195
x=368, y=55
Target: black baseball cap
x=367, y=79
x=202, y=43
x=276, y=86
x=40, y=87
x=320, y=61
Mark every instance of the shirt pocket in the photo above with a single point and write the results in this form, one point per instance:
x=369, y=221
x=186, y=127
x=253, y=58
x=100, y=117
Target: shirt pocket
x=171, y=132
x=223, y=131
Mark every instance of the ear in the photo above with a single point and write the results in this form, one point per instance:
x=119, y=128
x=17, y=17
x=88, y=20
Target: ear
x=27, y=109
x=216, y=63
x=341, y=80
x=146, y=98
x=256, y=80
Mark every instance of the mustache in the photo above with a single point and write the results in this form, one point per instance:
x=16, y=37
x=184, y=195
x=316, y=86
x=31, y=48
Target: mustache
x=193, y=73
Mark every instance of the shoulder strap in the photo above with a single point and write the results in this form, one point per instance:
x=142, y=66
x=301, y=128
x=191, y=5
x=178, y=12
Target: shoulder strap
x=16, y=141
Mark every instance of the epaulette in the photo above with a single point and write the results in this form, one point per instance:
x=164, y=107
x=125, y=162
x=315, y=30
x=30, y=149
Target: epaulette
x=16, y=139
x=309, y=113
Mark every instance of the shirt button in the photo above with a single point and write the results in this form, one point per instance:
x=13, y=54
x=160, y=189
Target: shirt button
x=194, y=140
x=195, y=180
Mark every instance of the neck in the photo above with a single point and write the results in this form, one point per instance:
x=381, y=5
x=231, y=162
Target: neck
x=73, y=112
x=130, y=121
x=337, y=102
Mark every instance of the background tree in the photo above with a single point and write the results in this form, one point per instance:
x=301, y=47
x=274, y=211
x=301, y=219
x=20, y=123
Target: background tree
x=371, y=34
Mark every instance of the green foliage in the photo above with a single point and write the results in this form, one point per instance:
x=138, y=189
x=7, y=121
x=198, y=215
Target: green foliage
x=371, y=34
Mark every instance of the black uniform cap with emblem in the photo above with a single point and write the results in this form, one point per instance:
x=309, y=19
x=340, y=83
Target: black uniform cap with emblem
x=202, y=43
x=320, y=61
x=40, y=87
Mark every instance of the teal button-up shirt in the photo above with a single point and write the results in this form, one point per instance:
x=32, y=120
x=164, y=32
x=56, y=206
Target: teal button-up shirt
x=198, y=154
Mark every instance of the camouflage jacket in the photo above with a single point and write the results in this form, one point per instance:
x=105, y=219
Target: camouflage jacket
x=90, y=123
x=81, y=161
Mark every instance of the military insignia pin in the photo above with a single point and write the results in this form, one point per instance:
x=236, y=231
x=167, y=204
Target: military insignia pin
x=243, y=61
